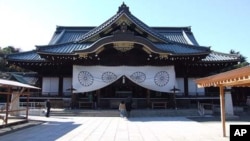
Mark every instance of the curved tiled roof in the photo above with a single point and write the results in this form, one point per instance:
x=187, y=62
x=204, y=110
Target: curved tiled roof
x=220, y=57
x=64, y=34
x=146, y=28
x=177, y=37
x=28, y=56
x=176, y=40
x=66, y=48
x=165, y=34
x=113, y=19
x=172, y=48
x=98, y=29
x=183, y=49
x=70, y=36
x=178, y=34
x=175, y=34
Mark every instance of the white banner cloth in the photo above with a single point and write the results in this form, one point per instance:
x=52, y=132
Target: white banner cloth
x=90, y=78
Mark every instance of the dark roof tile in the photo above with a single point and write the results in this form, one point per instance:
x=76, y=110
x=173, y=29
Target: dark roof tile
x=218, y=56
x=181, y=49
x=67, y=48
x=28, y=56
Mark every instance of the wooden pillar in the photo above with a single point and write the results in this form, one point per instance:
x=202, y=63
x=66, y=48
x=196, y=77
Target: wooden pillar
x=185, y=85
x=27, y=107
x=222, y=108
x=40, y=81
x=60, y=86
x=7, y=105
x=98, y=97
x=148, y=98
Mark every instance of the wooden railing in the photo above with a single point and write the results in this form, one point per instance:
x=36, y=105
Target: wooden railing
x=33, y=105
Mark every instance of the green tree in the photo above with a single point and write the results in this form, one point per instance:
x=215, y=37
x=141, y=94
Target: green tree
x=3, y=52
x=242, y=61
x=242, y=58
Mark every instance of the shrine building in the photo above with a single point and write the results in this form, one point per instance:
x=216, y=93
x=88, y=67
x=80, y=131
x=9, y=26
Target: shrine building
x=122, y=57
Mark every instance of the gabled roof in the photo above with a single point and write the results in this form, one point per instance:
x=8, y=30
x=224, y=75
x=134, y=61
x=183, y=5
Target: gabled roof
x=65, y=34
x=178, y=34
x=72, y=40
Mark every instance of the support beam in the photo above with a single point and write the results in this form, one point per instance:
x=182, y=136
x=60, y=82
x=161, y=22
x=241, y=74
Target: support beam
x=7, y=105
x=222, y=105
x=60, y=91
x=236, y=77
x=186, y=85
x=27, y=107
x=148, y=98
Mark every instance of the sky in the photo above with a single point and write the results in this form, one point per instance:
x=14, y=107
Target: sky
x=222, y=25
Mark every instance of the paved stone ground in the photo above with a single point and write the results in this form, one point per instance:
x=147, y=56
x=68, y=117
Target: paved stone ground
x=120, y=129
x=18, y=126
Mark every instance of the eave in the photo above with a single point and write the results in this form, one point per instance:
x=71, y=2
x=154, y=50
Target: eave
x=236, y=77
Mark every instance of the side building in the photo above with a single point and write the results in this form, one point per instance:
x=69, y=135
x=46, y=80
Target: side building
x=122, y=57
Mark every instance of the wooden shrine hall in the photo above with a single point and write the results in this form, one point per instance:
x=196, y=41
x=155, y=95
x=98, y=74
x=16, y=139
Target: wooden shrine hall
x=121, y=57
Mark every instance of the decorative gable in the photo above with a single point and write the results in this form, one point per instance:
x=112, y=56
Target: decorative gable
x=122, y=19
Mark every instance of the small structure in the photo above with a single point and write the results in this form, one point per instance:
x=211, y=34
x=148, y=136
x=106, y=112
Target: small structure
x=235, y=78
x=174, y=90
x=12, y=91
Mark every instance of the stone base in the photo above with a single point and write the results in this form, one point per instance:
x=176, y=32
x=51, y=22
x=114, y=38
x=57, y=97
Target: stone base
x=229, y=117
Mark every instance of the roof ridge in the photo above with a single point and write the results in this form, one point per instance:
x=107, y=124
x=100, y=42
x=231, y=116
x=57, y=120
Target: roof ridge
x=149, y=29
x=186, y=27
x=57, y=38
x=187, y=38
x=98, y=28
x=123, y=10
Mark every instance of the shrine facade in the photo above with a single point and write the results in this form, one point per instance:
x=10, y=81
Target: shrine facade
x=121, y=57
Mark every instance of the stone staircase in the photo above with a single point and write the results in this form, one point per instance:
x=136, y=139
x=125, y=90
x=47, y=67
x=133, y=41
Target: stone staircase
x=134, y=113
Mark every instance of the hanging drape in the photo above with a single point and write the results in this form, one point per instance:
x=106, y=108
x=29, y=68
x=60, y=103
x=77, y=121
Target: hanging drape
x=90, y=78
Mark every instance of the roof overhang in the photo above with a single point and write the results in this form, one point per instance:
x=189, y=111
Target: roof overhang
x=122, y=42
x=7, y=83
x=238, y=78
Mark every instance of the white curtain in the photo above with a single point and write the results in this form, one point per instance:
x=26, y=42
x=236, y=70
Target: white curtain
x=90, y=78
x=50, y=86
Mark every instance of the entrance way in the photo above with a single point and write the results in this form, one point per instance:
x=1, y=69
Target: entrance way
x=121, y=89
x=110, y=96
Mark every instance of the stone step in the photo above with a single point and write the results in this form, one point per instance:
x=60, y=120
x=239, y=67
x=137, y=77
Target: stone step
x=134, y=113
x=86, y=113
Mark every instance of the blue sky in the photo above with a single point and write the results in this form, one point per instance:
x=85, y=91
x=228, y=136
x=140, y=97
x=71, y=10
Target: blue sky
x=221, y=24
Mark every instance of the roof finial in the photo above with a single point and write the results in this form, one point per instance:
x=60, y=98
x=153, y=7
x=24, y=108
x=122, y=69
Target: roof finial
x=123, y=8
